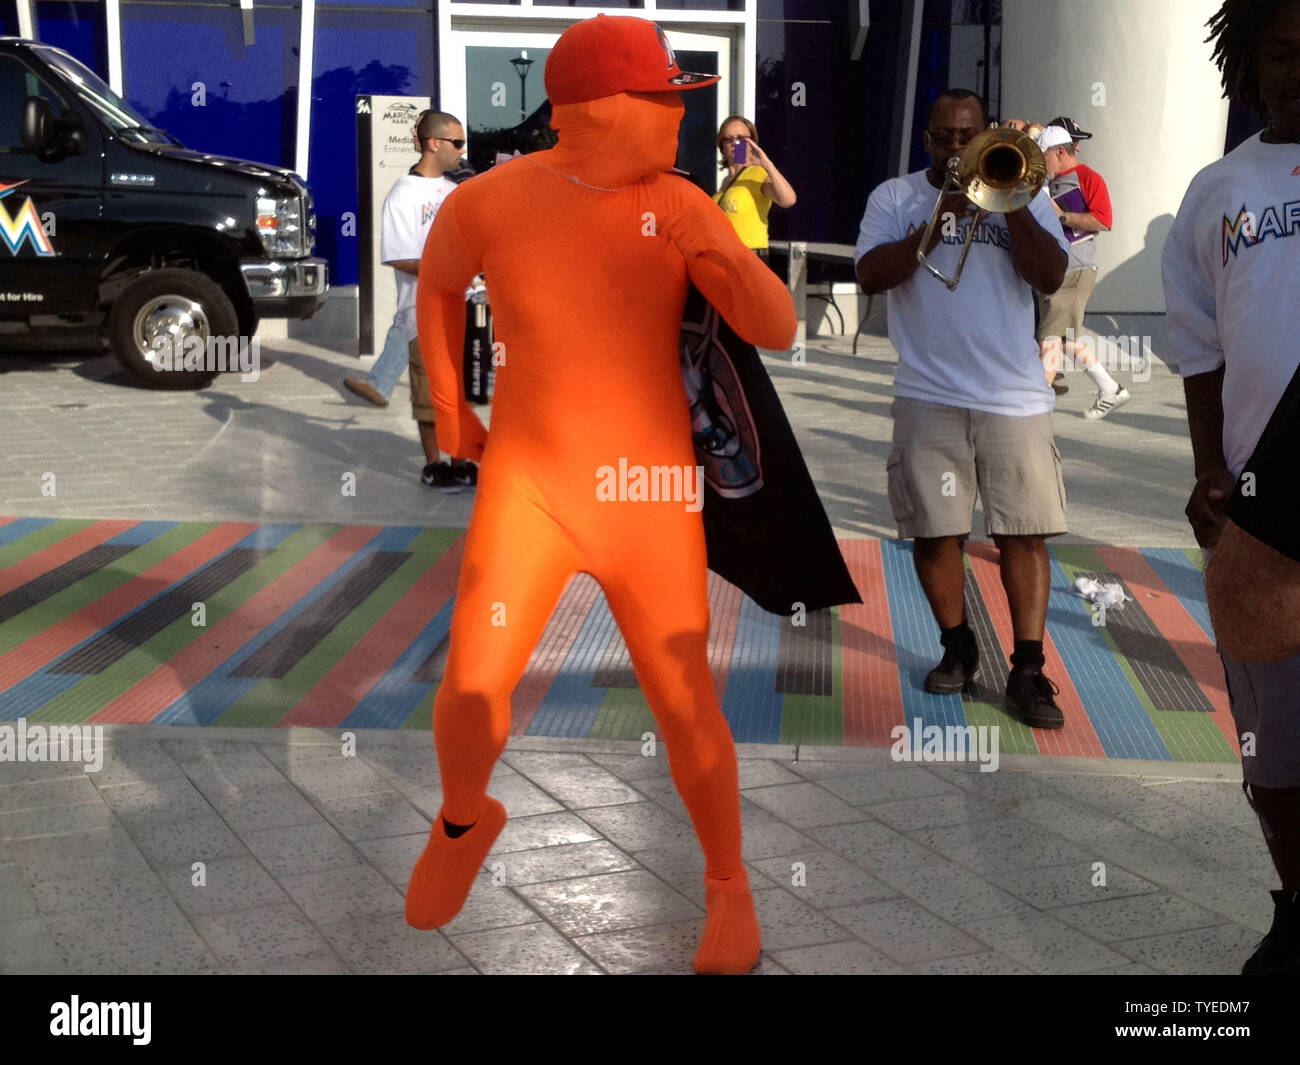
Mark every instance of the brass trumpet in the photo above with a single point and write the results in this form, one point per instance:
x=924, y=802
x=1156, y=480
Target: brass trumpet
x=1000, y=170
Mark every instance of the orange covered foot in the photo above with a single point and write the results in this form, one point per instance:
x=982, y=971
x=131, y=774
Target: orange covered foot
x=445, y=872
x=731, y=941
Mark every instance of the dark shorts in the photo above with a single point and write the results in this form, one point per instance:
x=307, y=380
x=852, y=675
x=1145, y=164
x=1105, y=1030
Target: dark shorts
x=1265, y=702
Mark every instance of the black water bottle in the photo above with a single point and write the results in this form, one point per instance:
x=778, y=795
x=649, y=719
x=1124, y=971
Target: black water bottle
x=478, y=346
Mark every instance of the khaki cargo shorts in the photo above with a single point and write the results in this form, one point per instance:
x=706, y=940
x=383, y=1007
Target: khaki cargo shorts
x=943, y=455
x=1064, y=308
x=421, y=401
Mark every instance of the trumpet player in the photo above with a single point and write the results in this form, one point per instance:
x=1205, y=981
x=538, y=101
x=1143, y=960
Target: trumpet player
x=972, y=411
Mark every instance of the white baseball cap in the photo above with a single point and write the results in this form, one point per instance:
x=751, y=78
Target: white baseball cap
x=1053, y=137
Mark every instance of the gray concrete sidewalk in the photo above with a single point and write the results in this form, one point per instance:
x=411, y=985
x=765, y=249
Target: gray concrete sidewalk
x=858, y=864
x=276, y=449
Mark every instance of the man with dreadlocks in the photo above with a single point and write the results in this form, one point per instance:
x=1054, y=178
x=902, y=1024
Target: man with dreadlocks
x=1231, y=277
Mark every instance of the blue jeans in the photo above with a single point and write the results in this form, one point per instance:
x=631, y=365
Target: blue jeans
x=392, y=360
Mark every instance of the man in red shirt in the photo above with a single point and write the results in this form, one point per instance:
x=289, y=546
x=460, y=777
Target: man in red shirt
x=1082, y=203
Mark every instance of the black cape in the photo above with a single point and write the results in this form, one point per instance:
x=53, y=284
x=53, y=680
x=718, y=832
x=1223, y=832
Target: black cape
x=766, y=529
x=1264, y=500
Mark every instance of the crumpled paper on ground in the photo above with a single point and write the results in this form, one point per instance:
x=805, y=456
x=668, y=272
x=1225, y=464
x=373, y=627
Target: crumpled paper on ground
x=1107, y=595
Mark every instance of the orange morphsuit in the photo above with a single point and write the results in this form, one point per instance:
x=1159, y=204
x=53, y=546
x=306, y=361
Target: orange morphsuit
x=588, y=279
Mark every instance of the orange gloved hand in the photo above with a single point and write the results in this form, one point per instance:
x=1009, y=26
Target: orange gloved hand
x=691, y=227
x=752, y=299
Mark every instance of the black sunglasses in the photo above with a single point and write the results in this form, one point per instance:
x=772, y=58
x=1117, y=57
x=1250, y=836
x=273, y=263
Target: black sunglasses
x=455, y=142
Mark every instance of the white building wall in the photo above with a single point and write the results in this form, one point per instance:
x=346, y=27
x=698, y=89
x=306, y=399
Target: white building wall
x=1138, y=75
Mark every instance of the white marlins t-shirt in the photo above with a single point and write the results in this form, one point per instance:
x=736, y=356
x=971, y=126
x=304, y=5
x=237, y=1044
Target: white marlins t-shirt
x=973, y=347
x=409, y=210
x=1232, y=285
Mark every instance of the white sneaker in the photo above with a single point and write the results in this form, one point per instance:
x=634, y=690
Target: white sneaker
x=1106, y=402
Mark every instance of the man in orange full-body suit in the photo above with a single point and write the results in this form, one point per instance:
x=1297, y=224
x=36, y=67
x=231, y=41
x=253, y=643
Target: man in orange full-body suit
x=588, y=249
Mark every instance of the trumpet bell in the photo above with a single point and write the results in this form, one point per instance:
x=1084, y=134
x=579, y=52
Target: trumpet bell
x=1001, y=170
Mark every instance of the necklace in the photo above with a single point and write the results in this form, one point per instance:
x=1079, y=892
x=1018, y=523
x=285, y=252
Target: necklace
x=571, y=177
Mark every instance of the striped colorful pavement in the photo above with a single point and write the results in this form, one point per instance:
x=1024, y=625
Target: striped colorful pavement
x=346, y=627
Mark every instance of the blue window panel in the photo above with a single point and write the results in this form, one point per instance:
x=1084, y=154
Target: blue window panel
x=697, y=144
x=77, y=28
x=931, y=79
x=189, y=72
x=814, y=10
x=702, y=5
x=828, y=145
x=354, y=54
x=9, y=18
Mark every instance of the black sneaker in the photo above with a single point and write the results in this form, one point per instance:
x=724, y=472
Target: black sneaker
x=1030, y=696
x=952, y=674
x=439, y=475
x=464, y=473
x=1278, y=954
x=1057, y=387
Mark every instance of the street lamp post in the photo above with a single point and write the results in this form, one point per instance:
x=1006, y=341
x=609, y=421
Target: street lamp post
x=521, y=64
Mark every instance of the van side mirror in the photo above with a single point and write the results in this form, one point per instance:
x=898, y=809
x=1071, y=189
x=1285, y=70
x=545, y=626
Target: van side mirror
x=50, y=138
x=37, y=125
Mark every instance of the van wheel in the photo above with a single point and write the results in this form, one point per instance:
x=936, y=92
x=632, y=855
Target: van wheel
x=154, y=318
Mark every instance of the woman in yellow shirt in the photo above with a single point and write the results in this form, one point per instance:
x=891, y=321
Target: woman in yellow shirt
x=752, y=186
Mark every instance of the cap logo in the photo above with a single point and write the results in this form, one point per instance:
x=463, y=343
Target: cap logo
x=668, y=48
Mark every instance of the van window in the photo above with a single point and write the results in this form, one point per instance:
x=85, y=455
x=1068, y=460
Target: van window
x=111, y=108
x=17, y=82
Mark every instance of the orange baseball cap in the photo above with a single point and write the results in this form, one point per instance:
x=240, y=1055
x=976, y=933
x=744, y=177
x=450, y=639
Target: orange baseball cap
x=610, y=54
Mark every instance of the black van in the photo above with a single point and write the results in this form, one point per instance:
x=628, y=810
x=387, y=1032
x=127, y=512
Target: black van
x=109, y=222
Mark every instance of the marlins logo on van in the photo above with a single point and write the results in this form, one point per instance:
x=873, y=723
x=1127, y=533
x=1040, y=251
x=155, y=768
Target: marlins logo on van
x=17, y=229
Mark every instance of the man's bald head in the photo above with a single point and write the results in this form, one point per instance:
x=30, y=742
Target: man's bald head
x=945, y=99
x=434, y=124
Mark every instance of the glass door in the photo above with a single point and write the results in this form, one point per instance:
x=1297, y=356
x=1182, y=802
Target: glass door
x=697, y=151
x=492, y=80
